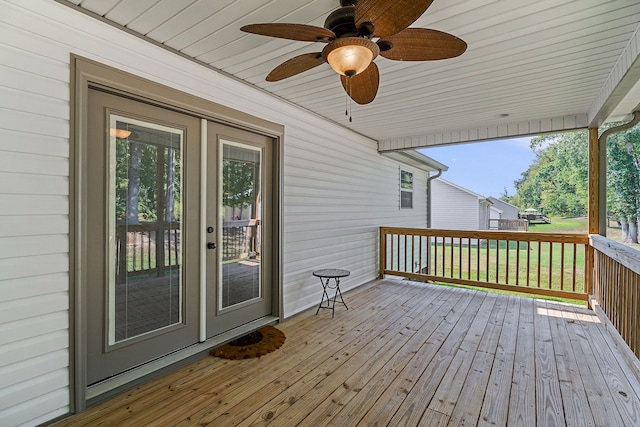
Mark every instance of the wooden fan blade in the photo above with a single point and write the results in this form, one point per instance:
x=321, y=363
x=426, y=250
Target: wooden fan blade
x=421, y=44
x=384, y=18
x=295, y=65
x=300, y=32
x=363, y=87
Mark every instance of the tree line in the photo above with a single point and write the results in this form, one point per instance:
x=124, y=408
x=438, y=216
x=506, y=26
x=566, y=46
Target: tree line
x=557, y=180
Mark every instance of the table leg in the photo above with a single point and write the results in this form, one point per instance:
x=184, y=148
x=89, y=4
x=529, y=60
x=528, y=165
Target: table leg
x=324, y=293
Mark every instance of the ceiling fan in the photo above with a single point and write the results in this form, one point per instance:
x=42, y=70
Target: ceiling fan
x=356, y=34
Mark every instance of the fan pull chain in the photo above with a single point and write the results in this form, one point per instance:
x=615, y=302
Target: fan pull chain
x=348, y=99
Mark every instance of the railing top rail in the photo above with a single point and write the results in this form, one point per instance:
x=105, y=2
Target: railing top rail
x=490, y=235
x=625, y=255
x=145, y=226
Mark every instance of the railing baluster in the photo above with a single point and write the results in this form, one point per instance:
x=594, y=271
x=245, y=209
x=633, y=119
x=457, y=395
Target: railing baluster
x=573, y=271
x=487, y=260
x=562, y=266
x=469, y=258
x=508, y=256
x=539, y=264
x=497, y=261
x=420, y=254
x=550, y=263
x=528, y=277
x=517, y=262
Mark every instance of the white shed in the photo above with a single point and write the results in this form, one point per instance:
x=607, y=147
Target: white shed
x=457, y=208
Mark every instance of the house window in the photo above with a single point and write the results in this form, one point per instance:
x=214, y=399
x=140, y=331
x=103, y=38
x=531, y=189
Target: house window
x=406, y=189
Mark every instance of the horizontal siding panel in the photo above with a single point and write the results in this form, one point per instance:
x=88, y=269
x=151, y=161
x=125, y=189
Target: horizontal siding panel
x=15, y=79
x=34, y=164
x=34, y=225
x=42, y=58
x=33, y=123
x=38, y=346
x=26, y=287
x=25, y=370
x=13, y=268
x=22, y=142
x=34, y=103
x=34, y=388
x=25, y=246
x=34, y=326
x=37, y=411
x=15, y=310
x=14, y=183
x=20, y=204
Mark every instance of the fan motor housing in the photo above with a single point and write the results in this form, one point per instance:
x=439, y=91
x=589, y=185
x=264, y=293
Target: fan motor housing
x=342, y=22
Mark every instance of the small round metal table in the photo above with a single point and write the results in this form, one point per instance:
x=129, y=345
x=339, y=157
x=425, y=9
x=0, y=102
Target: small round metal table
x=325, y=276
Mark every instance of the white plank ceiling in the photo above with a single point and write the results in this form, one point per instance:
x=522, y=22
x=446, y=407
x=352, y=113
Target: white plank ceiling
x=527, y=60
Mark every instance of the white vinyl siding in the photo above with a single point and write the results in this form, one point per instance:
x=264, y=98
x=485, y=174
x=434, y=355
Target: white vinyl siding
x=452, y=208
x=337, y=190
x=34, y=229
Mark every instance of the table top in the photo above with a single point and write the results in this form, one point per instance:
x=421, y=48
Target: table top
x=331, y=273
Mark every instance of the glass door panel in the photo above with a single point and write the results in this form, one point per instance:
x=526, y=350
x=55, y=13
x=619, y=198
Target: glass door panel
x=145, y=203
x=239, y=204
x=241, y=230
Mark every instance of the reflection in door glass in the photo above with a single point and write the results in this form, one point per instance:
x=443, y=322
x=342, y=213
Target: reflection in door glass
x=145, y=178
x=241, y=224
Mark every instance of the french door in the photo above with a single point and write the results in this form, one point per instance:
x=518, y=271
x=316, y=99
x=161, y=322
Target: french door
x=175, y=253
x=239, y=214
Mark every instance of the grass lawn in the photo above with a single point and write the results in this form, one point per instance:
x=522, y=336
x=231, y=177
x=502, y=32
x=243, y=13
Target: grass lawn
x=535, y=253
x=559, y=226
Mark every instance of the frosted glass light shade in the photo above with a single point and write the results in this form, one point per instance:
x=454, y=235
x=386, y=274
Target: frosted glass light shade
x=119, y=133
x=350, y=55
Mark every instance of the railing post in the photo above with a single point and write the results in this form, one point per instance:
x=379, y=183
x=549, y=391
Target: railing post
x=588, y=272
x=383, y=252
x=597, y=159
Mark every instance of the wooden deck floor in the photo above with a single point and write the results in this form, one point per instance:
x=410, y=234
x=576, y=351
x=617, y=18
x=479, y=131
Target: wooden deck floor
x=404, y=354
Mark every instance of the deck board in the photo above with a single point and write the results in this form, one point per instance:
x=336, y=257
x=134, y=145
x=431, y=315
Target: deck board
x=405, y=353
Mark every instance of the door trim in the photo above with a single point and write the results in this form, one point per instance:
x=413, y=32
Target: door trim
x=86, y=74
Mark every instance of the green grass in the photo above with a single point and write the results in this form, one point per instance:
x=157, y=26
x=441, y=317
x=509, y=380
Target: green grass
x=547, y=267
x=561, y=225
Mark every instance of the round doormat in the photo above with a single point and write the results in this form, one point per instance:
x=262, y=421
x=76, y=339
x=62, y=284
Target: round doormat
x=256, y=344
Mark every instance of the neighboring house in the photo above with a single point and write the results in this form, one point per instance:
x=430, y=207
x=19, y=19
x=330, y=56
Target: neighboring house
x=457, y=208
x=508, y=210
x=494, y=213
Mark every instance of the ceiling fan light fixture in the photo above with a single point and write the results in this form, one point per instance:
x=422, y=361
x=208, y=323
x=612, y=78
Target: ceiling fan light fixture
x=349, y=56
x=119, y=133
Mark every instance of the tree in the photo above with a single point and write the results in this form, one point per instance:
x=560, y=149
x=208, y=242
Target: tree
x=145, y=174
x=238, y=184
x=558, y=179
x=623, y=181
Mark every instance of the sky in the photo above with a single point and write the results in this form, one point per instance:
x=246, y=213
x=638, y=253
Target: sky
x=486, y=168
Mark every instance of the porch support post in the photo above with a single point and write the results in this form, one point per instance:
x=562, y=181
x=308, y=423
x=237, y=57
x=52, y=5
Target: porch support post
x=596, y=209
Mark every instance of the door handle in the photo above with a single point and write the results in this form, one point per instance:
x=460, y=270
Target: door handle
x=211, y=245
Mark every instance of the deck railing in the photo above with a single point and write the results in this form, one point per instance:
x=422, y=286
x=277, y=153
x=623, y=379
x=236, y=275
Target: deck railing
x=240, y=239
x=616, y=287
x=537, y=263
x=154, y=248
x=147, y=248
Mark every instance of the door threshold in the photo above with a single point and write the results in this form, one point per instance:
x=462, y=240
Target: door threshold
x=134, y=377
